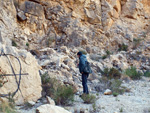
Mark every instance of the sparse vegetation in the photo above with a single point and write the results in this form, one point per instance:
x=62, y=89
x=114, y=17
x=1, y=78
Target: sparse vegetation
x=14, y=43
x=147, y=74
x=133, y=73
x=136, y=42
x=144, y=34
x=8, y=106
x=116, y=87
x=88, y=98
x=112, y=73
x=62, y=94
x=27, y=44
x=108, y=52
x=45, y=78
x=50, y=85
x=121, y=110
x=115, y=94
x=2, y=78
x=123, y=47
x=97, y=94
x=113, y=84
x=27, y=105
x=104, y=84
x=94, y=107
x=106, y=55
x=50, y=40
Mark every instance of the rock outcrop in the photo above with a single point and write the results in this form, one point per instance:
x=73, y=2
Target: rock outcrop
x=82, y=23
x=47, y=108
x=30, y=85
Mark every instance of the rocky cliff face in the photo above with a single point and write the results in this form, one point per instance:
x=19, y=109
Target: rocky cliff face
x=93, y=25
x=85, y=23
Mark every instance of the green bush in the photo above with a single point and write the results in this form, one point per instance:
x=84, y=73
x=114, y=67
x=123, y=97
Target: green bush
x=121, y=110
x=133, y=73
x=27, y=105
x=115, y=94
x=94, y=107
x=147, y=74
x=49, y=84
x=106, y=55
x=64, y=95
x=116, y=87
x=27, y=44
x=113, y=84
x=108, y=52
x=88, y=98
x=136, y=42
x=50, y=41
x=1, y=81
x=2, y=78
x=14, y=43
x=106, y=72
x=8, y=106
x=123, y=47
x=111, y=73
x=114, y=73
x=45, y=78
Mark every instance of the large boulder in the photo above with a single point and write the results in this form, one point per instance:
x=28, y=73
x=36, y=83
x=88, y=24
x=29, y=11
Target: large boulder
x=30, y=85
x=47, y=108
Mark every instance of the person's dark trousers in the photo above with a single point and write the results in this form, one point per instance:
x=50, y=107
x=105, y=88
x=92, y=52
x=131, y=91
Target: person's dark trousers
x=84, y=83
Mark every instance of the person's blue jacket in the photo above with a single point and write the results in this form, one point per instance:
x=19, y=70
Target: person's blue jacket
x=82, y=61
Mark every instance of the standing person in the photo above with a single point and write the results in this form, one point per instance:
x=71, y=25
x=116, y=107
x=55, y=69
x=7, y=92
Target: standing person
x=82, y=63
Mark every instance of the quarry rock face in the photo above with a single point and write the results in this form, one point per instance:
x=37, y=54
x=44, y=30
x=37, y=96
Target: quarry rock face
x=77, y=23
x=71, y=23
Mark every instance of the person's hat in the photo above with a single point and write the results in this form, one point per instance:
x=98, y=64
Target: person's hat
x=79, y=53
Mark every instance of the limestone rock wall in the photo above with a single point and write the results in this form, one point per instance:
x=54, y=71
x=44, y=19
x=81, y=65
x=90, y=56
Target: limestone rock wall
x=80, y=23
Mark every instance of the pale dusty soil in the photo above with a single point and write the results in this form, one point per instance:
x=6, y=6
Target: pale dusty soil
x=136, y=101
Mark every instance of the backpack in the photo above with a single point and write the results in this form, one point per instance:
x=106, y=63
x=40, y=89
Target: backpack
x=87, y=69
